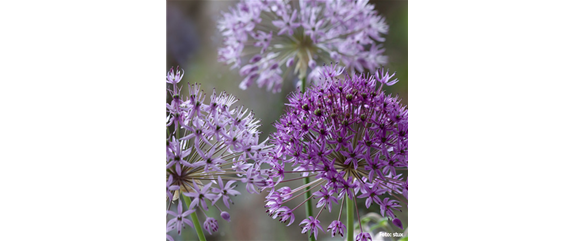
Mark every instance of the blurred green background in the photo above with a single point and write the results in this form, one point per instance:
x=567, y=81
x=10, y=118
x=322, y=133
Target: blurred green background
x=192, y=43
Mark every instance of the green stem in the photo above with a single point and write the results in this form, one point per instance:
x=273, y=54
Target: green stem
x=308, y=205
x=195, y=220
x=185, y=200
x=350, y=226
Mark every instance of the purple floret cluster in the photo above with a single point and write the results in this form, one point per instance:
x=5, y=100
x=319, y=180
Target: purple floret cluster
x=271, y=40
x=210, y=147
x=351, y=139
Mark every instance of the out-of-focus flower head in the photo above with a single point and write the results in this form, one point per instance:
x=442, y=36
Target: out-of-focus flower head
x=351, y=139
x=210, y=147
x=270, y=40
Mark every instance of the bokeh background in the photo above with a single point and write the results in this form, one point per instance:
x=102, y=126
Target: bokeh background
x=192, y=42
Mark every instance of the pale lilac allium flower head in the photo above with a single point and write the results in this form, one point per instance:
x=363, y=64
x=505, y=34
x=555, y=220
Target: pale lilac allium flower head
x=351, y=139
x=269, y=41
x=209, y=147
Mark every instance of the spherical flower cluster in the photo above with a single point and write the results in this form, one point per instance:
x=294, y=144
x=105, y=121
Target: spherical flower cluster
x=351, y=139
x=269, y=40
x=208, y=150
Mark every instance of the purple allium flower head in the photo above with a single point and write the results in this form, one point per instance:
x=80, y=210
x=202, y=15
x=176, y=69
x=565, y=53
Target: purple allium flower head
x=210, y=146
x=351, y=139
x=269, y=41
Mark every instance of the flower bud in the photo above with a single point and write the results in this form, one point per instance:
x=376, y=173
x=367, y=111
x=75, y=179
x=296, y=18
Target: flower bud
x=398, y=223
x=225, y=215
x=255, y=59
x=290, y=61
x=312, y=64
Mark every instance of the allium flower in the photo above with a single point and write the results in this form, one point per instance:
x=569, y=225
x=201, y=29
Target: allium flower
x=326, y=198
x=286, y=214
x=167, y=229
x=199, y=196
x=210, y=225
x=388, y=208
x=312, y=225
x=179, y=219
x=337, y=227
x=363, y=237
x=225, y=192
x=351, y=139
x=209, y=148
x=270, y=40
x=170, y=188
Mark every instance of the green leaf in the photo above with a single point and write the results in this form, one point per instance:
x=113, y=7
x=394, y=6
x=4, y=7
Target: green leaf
x=384, y=223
